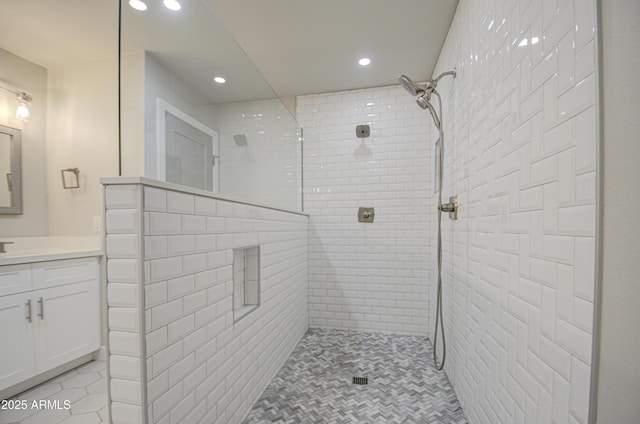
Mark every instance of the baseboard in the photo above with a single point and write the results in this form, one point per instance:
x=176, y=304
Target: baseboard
x=100, y=354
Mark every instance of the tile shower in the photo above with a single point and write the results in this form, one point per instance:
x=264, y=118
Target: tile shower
x=520, y=152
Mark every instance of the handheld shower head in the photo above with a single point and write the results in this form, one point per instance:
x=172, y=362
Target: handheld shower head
x=423, y=101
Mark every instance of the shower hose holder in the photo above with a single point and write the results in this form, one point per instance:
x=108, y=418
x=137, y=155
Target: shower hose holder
x=451, y=207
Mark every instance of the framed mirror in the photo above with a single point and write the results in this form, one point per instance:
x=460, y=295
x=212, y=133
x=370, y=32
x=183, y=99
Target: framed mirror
x=10, y=171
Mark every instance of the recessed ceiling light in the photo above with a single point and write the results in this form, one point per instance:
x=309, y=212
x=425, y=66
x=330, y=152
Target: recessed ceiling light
x=220, y=80
x=364, y=61
x=138, y=5
x=172, y=5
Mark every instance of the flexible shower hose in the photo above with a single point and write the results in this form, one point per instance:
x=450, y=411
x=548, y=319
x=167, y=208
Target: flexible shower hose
x=439, y=318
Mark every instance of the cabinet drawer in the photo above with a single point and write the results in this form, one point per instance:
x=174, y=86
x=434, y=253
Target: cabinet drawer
x=15, y=279
x=58, y=273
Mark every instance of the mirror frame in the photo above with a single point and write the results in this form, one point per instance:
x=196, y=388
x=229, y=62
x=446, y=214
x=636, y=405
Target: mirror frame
x=16, y=171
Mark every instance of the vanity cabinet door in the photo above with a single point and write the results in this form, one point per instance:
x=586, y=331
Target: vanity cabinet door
x=67, y=321
x=16, y=347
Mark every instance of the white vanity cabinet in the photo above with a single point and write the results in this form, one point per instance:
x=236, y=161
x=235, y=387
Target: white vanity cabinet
x=49, y=315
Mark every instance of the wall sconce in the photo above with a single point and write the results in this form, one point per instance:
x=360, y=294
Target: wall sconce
x=22, y=111
x=23, y=99
x=70, y=178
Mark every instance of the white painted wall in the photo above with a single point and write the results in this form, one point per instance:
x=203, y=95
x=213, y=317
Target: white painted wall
x=82, y=132
x=369, y=276
x=73, y=124
x=17, y=73
x=132, y=125
x=619, y=368
x=521, y=155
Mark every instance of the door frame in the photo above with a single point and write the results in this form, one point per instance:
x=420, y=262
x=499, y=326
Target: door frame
x=162, y=108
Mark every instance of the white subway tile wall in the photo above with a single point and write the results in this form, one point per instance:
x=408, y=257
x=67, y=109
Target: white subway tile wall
x=520, y=152
x=368, y=276
x=199, y=366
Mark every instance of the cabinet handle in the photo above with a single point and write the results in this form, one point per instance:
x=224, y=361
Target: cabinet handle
x=28, y=305
x=41, y=307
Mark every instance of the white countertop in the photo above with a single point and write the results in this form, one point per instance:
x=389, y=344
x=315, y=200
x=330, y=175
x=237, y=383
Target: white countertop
x=24, y=250
x=29, y=256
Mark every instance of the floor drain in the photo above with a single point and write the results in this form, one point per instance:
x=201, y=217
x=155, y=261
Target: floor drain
x=363, y=381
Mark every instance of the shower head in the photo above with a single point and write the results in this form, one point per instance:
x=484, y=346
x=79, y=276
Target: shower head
x=411, y=86
x=422, y=92
x=240, y=139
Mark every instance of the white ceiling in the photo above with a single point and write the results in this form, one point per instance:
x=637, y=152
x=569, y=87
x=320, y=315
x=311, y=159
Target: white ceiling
x=54, y=33
x=300, y=46
x=304, y=46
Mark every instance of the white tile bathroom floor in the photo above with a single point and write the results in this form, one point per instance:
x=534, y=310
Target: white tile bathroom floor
x=84, y=387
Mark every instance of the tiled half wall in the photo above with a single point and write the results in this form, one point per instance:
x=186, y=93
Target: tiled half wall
x=176, y=354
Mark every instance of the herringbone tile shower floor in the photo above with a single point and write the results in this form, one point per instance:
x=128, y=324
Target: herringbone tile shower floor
x=315, y=383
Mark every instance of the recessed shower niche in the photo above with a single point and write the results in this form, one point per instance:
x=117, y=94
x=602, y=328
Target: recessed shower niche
x=246, y=281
